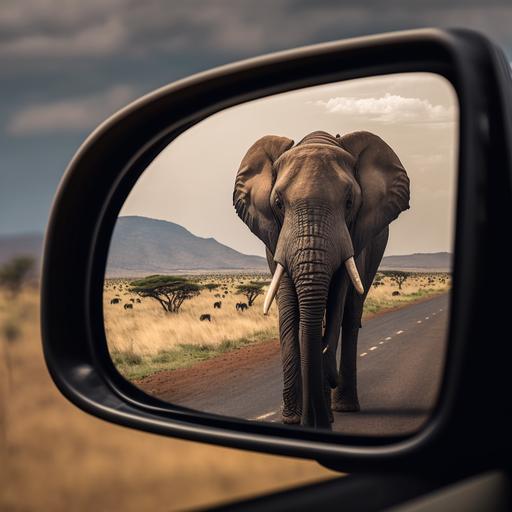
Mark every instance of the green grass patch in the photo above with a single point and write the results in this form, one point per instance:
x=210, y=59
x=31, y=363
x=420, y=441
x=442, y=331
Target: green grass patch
x=373, y=305
x=134, y=366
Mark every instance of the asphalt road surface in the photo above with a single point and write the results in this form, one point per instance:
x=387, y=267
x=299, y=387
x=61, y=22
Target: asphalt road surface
x=400, y=364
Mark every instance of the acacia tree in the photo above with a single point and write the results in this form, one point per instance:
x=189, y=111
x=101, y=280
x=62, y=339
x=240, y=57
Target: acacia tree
x=397, y=276
x=377, y=281
x=169, y=291
x=211, y=286
x=251, y=291
x=14, y=273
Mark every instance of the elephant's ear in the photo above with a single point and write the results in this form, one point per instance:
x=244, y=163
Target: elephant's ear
x=383, y=181
x=253, y=185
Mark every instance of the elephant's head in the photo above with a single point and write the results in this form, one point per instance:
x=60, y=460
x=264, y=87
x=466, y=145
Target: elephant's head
x=315, y=206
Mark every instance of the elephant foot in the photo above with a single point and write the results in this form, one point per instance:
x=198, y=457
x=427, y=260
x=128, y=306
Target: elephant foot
x=293, y=419
x=291, y=414
x=324, y=423
x=342, y=403
x=342, y=406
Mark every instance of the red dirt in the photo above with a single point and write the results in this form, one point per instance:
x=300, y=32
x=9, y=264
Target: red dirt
x=195, y=380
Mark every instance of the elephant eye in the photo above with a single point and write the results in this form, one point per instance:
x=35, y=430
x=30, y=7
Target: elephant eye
x=278, y=202
x=349, y=203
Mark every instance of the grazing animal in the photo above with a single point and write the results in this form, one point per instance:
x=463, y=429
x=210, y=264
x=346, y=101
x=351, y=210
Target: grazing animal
x=241, y=306
x=132, y=300
x=217, y=295
x=217, y=305
x=395, y=293
x=128, y=306
x=115, y=301
x=138, y=301
x=322, y=208
x=205, y=317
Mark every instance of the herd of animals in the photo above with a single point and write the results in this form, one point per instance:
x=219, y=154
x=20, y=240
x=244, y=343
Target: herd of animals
x=121, y=287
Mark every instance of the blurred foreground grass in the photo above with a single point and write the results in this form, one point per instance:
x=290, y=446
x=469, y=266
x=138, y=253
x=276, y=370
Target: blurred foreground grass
x=55, y=457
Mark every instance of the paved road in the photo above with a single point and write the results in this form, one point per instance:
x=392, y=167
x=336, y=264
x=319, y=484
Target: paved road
x=400, y=364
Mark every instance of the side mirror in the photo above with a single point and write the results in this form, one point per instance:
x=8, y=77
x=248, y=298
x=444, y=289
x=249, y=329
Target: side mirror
x=457, y=100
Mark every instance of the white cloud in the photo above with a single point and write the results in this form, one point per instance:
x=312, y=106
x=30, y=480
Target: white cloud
x=72, y=115
x=390, y=108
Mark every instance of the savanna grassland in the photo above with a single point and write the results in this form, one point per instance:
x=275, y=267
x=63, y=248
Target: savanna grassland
x=55, y=457
x=146, y=339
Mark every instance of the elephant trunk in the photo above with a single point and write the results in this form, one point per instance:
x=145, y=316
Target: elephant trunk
x=312, y=291
x=314, y=256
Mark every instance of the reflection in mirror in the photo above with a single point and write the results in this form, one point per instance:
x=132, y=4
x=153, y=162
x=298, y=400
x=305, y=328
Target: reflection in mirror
x=346, y=192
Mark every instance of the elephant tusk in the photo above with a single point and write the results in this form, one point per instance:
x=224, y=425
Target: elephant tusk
x=350, y=265
x=272, y=289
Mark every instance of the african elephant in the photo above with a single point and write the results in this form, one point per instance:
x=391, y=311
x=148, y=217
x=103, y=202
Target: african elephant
x=322, y=209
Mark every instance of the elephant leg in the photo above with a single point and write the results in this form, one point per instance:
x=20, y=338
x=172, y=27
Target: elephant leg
x=345, y=397
x=290, y=352
x=328, y=401
x=334, y=314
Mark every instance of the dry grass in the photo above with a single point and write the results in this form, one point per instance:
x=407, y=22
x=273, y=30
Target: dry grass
x=417, y=287
x=148, y=330
x=56, y=458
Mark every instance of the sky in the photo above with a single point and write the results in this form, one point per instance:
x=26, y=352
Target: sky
x=191, y=181
x=66, y=66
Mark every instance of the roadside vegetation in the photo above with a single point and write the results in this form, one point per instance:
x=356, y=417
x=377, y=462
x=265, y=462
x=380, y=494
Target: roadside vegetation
x=147, y=337
x=15, y=273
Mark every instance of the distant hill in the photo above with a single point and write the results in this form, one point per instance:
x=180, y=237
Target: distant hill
x=438, y=261
x=142, y=246
x=22, y=245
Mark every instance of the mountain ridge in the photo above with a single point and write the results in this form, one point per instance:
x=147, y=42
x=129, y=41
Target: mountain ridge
x=440, y=261
x=142, y=246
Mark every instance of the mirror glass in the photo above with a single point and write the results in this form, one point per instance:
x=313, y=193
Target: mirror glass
x=289, y=259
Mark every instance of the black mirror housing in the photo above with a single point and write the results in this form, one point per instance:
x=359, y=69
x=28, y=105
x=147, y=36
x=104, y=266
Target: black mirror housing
x=473, y=416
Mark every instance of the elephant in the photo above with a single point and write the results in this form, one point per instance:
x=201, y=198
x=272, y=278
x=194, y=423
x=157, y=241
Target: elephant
x=322, y=208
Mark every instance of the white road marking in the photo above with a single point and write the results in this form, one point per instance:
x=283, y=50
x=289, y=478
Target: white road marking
x=418, y=322
x=381, y=343
x=427, y=318
x=399, y=332
x=267, y=415
x=363, y=354
x=441, y=309
x=373, y=348
x=388, y=338
x=433, y=314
